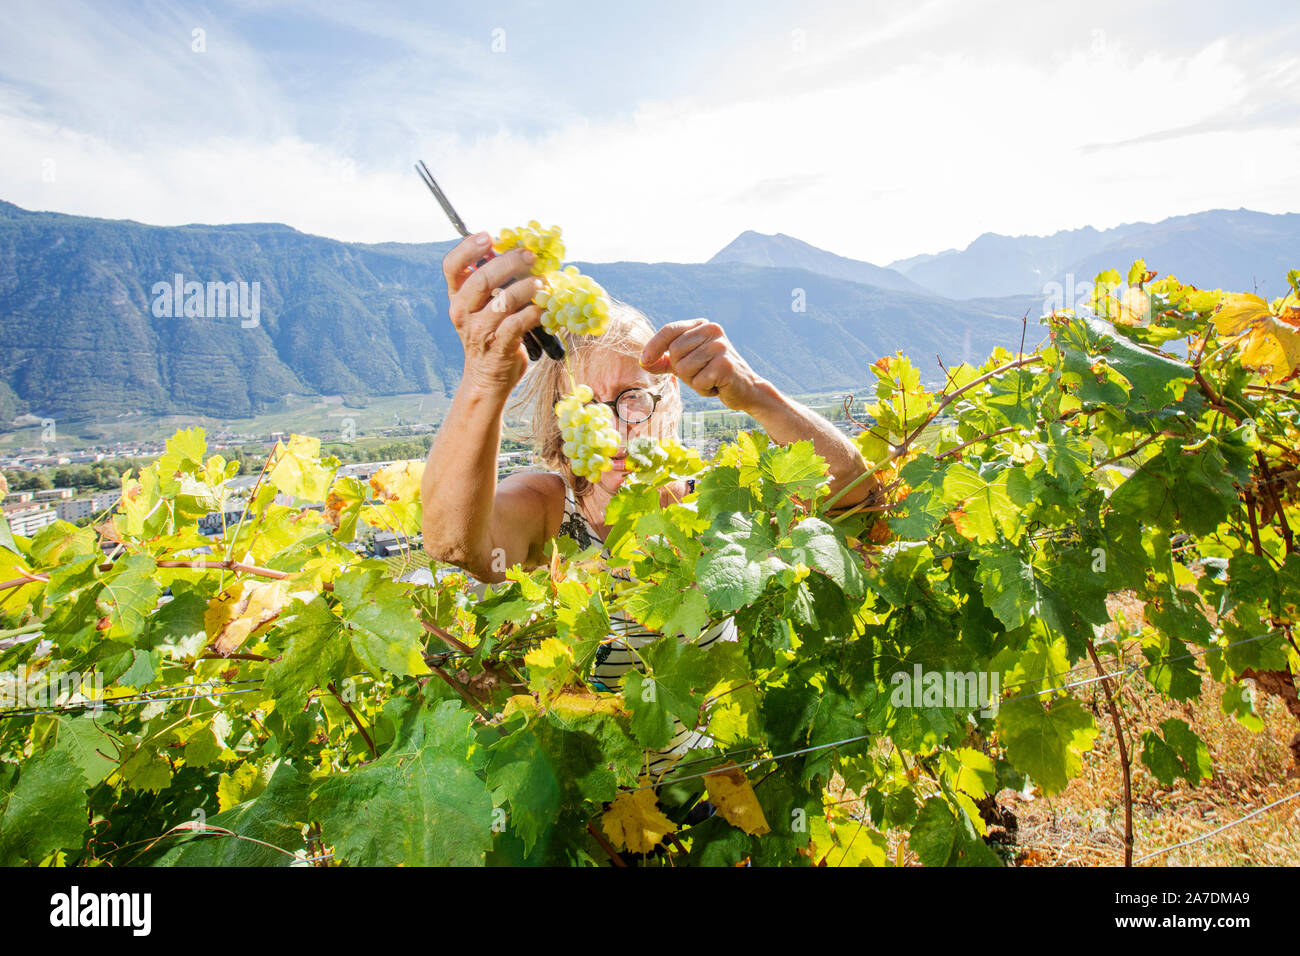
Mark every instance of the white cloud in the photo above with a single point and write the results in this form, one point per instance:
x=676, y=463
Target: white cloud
x=879, y=147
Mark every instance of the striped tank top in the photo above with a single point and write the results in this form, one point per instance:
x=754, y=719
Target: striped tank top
x=614, y=659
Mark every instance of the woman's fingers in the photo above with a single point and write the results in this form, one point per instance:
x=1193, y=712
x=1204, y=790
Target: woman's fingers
x=512, y=329
x=683, y=348
x=477, y=290
x=716, y=373
x=510, y=299
x=458, y=264
x=698, y=353
x=690, y=364
x=657, y=356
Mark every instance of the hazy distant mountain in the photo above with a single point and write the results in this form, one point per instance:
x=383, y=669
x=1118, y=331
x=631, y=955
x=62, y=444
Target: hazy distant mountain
x=1216, y=249
x=757, y=249
x=84, y=328
x=846, y=327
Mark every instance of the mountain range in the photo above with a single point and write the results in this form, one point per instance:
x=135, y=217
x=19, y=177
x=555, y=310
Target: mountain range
x=89, y=323
x=81, y=333
x=1238, y=249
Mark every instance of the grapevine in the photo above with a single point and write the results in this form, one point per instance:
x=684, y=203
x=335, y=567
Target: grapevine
x=158, y=685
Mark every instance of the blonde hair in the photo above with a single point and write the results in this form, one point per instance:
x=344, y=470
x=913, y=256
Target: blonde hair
x=547, y=381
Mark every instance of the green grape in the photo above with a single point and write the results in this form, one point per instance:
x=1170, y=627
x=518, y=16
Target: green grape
x=590, y=439
x=652, y=460
x=573, y=301
x=543, y=243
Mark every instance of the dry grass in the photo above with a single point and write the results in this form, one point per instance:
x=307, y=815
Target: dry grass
x=1084, y=825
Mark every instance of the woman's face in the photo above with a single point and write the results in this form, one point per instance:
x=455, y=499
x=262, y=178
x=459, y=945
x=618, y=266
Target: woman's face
x=609, y=375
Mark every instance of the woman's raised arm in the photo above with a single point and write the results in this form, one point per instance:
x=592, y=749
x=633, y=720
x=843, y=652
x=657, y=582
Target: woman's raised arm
x=699, y=353
x=468, y=520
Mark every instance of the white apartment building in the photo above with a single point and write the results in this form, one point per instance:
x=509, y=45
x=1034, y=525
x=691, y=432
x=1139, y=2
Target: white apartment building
x=75, y=509
x=27, y=520
x=96, y=504
x=55, y=494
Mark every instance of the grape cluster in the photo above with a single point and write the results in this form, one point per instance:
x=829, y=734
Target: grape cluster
x=545, y=244
x=573, y=301
x=590, y=439
x=652, y=460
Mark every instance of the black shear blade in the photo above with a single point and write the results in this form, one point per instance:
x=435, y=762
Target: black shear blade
x=439, y=195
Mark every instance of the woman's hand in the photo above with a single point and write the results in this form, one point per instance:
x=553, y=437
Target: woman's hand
x=698, y=352
x=491, y=320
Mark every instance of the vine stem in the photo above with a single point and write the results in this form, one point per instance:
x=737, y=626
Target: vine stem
x=848, y=412
x=447, y=638
x=466, y=695
x=606, y=846
x=25, y=629
x=237, y=566
x=1254, y=524
x=353, y=714
x=1224, y=347
x=27, y=578
x=1276, y=501
x=190, y=829
x=1275, y=391
x=901, y=449
x=980, y=438
x=1123, y=756
x=243, y=514
x=1216, y=401
x=1135, y=449
x=863, y=508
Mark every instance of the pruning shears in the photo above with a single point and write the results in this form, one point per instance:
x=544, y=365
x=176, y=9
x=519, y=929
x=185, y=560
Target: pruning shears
x=536, y=341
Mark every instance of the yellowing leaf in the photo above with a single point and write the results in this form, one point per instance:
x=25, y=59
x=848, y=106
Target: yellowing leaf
x=1134, y=308
x=734, y=714
x=298, y=470
x=730, y=792
x=520, y=704
x=241, y=609
x=550, y=665
x=1240, y=311
x=400, y=481
x=850, y=843
x=1272, y=343
x=635, y=823
x=574, y=701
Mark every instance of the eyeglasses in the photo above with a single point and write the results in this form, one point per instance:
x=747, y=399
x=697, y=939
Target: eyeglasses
x=633, y=405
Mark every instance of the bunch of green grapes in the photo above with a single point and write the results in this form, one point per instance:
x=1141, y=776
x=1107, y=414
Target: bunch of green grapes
x=573, y=301
x=545, y=244
x=590, y=439
x=651, y=460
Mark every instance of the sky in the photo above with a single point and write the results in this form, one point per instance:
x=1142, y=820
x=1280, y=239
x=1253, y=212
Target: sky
x=654, y=132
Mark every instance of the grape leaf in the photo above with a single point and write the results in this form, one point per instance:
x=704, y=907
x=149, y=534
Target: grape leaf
x=1046, y=742
x=382, y=623
x=420, y=804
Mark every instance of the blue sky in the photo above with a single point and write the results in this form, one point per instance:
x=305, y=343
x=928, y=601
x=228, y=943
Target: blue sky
x=654, y=131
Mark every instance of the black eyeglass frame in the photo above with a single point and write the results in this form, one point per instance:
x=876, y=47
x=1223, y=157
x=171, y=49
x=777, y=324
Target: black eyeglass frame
x=656, y=397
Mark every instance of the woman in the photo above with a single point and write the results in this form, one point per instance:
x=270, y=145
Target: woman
x=485, y=528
